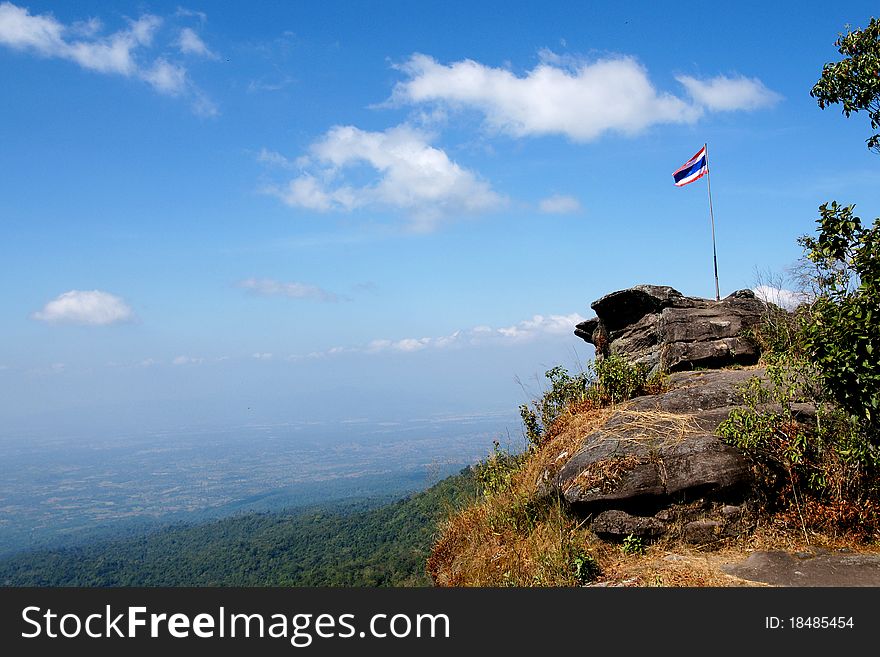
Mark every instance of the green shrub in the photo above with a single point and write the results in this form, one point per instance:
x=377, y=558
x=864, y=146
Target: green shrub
x=494, y=474
x=521, y=513
x=821, y=471
x=617, y=380
x=842, y=331
x=822, y=468
x=531, y=425
x=610, y=380
x=779, y=331
x=633, y=545
x=564, y=391
x=853, y=82
x=584, y=566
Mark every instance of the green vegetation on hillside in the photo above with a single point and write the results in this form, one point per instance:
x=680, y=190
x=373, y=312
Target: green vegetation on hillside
x=323, y=546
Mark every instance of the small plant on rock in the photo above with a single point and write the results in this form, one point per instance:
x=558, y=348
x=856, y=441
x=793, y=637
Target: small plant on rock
x=584, y=567
x=608, y=381
x=566, y=390
x=617, y=380
x=632, y=545
x=494, y=474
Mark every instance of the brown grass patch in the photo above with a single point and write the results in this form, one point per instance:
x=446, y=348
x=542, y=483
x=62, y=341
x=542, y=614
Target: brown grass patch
x=484, y=546
x=518, y=537
x=682, y=566
x=604, y=475
x=563, y=440
x=652, y=428
x=675, y=564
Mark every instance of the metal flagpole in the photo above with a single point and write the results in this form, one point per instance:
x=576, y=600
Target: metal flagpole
x=712, y=217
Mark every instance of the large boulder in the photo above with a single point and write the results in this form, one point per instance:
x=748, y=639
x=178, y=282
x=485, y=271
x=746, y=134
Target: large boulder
x=659, y=327
x=657, y=464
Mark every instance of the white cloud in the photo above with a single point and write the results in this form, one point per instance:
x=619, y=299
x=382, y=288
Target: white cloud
x=267, y=287
x=409, y=175
x=542, y=325
x=202, y=105
x=45, y=35
x=725, y=94
x=788, y=299
x=165, y=77
x=191, y=13
x=273, y=158
x=262, y=356
x=190, y=43
x=412, y=344
x=307, y=192
x=82, y=43
x=269, y=85
x=569, y=96
x=379, y=344
x=92, y=308
x=559, y=204
x=581, y=100
x=538, y=327
x=187, y=360
x=87, y=28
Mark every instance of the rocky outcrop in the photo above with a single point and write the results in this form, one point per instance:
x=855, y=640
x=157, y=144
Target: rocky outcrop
x=656, y=466
x=816, y=567
x=659, y=327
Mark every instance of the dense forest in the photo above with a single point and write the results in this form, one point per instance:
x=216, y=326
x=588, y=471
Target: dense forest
x=351, y=544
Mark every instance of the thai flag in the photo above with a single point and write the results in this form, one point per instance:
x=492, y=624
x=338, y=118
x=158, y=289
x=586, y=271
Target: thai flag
x=694, y=169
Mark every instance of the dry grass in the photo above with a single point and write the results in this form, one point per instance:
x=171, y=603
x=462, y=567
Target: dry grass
x=679, y=567
x=604, y=475
x=471, y=553
x=675, y=564
x=563, y=441
x=517, y=537
x=652, y=428
x=478, y=547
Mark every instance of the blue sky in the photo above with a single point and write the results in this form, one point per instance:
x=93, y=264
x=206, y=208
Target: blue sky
x=221, y=213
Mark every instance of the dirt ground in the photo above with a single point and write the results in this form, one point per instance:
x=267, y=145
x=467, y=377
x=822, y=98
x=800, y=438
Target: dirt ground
x=766, y=558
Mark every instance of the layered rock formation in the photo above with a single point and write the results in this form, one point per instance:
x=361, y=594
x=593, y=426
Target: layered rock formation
x=656, y=466
x=661, y=328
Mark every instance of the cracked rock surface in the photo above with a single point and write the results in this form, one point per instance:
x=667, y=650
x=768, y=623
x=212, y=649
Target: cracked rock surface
x=656, y=465
x=658, y=326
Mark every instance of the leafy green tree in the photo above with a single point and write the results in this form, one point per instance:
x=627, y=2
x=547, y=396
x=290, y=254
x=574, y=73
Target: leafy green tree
x=854, y=81
x=842, y=332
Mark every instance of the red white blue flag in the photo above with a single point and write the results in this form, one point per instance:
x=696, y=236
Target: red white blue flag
x=694, y=169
